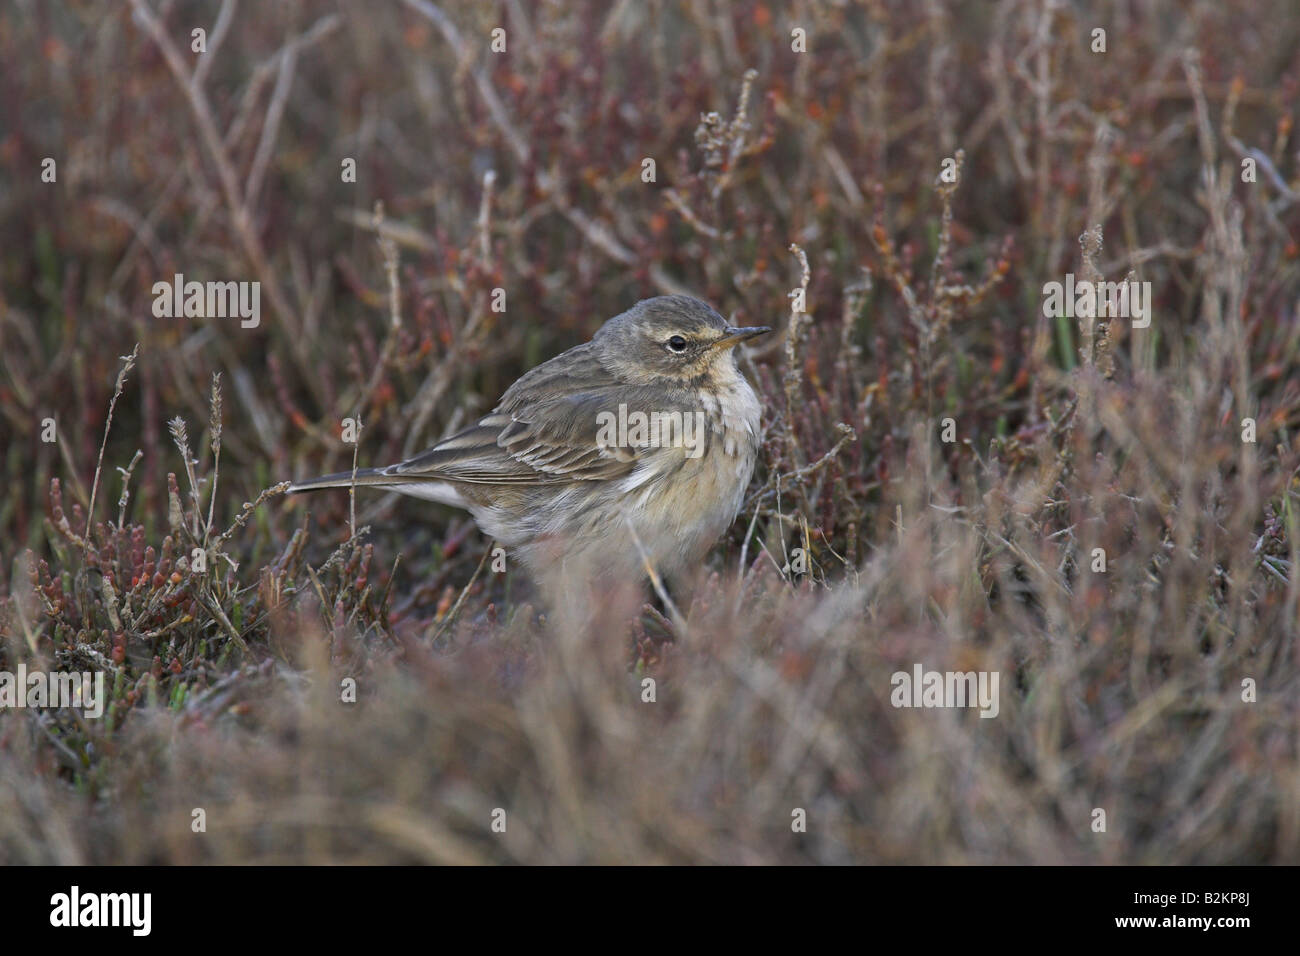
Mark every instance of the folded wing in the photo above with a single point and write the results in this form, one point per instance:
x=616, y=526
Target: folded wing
x=546, y=430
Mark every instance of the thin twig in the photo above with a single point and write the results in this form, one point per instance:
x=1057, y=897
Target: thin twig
x=799, y=476
x=460, y=600
x=271, y=126
x=251, y=506
x=352, y=488
x=595, y=233
x=128, y=364
x=679, y=622
x=215, y=146
x=214, y=429
x=793, y=371
x=126, y=487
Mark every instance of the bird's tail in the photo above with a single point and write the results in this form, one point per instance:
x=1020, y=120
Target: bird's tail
x=343, y=479
x=430, y=489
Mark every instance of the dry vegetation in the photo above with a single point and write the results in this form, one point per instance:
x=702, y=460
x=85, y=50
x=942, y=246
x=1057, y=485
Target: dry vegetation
x=1120, y=690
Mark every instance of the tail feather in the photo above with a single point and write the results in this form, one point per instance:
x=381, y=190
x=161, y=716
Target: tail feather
x=343, y=479
x=431, y=489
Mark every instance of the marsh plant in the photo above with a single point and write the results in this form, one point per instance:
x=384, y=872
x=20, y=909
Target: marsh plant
x=431, y=198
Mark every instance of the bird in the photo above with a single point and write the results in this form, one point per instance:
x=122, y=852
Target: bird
x=623, y=457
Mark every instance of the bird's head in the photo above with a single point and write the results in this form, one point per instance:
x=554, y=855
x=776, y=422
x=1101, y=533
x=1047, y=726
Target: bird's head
x=673, y=337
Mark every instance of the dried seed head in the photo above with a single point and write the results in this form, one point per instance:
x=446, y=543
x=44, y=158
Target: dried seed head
x=180, y=436
x=214, y=420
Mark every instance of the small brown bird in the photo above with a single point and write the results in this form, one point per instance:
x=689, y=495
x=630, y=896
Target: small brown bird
x=633, y=448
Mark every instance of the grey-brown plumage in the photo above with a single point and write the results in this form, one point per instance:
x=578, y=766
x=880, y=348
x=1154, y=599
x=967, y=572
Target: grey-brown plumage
x=541, y=475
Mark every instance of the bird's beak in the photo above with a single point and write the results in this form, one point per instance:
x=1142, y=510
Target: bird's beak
x=733, y=336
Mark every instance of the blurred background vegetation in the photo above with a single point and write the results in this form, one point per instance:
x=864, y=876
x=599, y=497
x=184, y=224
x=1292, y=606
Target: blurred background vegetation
x=523, y=170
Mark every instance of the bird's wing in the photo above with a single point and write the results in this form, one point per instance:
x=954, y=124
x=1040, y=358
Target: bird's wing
x=546, y=430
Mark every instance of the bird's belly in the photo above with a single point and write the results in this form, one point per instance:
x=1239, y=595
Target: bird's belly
x=669, y=511
x=687, y=507
x=684, y=513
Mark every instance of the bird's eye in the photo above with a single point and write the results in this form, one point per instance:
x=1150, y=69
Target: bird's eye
x=677, y=343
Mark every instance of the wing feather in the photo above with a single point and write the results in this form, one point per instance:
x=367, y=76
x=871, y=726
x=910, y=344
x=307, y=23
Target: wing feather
x=544, y=430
